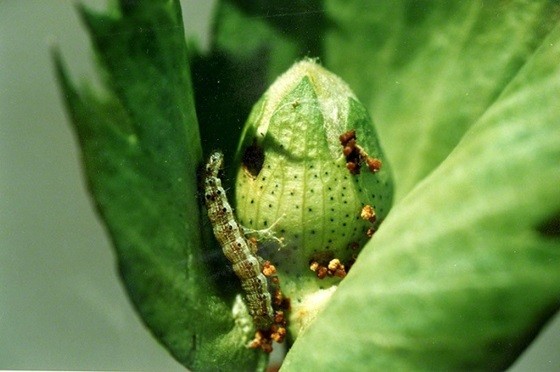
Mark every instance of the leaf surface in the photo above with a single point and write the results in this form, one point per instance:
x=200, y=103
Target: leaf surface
x=141, y=149
x=466, y=268
x=429, y=69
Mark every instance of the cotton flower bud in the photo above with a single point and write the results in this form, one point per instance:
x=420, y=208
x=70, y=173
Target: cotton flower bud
x=312, y=174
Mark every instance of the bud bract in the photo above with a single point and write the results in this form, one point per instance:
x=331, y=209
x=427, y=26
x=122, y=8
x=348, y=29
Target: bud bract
x=311, y=172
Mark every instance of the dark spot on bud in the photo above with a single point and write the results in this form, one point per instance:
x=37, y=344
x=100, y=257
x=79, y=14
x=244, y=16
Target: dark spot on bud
x=253, y=159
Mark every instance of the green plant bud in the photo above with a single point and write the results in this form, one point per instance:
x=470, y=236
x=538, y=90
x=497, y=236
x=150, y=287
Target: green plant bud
x=311, y=172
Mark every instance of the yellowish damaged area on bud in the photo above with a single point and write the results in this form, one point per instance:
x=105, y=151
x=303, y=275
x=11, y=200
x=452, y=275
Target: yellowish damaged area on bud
x=305, y=175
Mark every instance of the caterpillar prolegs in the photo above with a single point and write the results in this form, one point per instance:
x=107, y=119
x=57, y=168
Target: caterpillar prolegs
x=238, y=250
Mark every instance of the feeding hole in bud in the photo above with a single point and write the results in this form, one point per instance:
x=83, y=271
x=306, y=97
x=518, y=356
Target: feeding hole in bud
x=253, y=160
x=356, y=155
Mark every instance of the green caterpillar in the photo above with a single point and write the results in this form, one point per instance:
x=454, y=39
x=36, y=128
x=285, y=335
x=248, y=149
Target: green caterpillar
x=235, y=246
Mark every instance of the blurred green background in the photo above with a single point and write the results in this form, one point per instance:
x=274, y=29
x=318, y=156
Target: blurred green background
x=62, y=305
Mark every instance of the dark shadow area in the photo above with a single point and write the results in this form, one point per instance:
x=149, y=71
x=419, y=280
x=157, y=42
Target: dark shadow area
x=227, y=84
x=550, y=228
x=514, y=348
x=225, y=91
x=304, y=21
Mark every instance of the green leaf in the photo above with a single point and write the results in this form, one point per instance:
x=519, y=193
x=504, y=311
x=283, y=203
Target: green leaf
x=141, y=149
x=430, y=69
x=466, y=268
